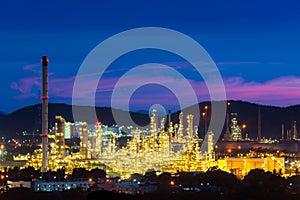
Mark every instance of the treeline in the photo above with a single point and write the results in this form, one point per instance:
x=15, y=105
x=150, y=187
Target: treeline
x=30, y=174
x=213, y=184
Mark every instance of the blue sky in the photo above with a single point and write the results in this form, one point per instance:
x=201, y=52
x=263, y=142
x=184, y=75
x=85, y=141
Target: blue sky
x=255, y=44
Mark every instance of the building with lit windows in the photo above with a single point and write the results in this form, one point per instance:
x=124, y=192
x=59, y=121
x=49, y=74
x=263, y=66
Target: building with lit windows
x=236, y=132
x=58, y=186
x=59, y=135
x=68, y=130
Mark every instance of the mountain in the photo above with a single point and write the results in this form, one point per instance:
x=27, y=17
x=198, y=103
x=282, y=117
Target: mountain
x=2, y=115
x=272, y=118
x=29, y=118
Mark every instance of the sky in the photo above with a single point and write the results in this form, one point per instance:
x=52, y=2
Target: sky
x=255, y=45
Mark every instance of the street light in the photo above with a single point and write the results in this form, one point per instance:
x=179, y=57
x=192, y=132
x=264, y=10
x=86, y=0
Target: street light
x=244, y=126
x=205, y=118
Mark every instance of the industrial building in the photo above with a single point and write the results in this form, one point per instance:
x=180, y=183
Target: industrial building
x=241, y=166
x=58, y=186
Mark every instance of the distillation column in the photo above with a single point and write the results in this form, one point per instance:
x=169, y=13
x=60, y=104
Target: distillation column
x=190, y=121
x=180, y=127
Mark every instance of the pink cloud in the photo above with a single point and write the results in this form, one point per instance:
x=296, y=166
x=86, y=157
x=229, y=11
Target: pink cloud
x=282, y=91
x=25, y=87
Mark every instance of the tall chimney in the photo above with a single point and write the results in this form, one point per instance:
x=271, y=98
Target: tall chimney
x=169, y=117
x=282, y=131
x=45, y=115
x=259, y=125
x=295, y=134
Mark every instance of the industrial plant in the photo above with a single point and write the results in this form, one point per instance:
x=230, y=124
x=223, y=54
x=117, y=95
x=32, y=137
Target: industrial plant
x=163, y=147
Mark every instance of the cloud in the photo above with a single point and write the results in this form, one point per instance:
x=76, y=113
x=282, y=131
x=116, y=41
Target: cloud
x=282, y=91
x=26, y=87
x=238, y=63
x=29, y=87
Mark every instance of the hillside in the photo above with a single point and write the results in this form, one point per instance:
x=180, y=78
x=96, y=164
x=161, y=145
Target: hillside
x=271, y=118
x=29, y=118
x=2, y=115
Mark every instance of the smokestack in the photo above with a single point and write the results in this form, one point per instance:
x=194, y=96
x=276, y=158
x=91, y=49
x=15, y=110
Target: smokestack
x=45, y=115
x=295, y=134
x=259, y=125
x=169, y=117
x=282, y=131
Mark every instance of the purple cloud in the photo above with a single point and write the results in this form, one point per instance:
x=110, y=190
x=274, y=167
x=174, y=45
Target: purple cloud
x=282, y=91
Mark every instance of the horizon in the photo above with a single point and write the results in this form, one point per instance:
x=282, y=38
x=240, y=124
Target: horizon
x=144, y=111
x=254, y=45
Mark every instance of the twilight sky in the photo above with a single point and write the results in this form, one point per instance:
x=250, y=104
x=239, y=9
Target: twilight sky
x=255, y=44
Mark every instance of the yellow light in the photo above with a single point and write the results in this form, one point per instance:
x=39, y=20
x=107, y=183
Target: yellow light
x=216, y=147
x=2, y=146
x=172, y=183
x=228, y=103
x=206, y=107
x=229, y=150
x=239, y=147
x=203, y=114
x=90, y=179
x=244, y=126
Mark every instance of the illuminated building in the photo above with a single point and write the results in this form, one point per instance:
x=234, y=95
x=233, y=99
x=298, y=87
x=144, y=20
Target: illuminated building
x=153, y=149
x=210, y=146
x=68, y=130
x=236, y=132
x=241, y=166
x=18, y=184
x=83, y=132
x=58, y=186
x=59, y=135
x=190, y=119
x=179, y=135
x=153, y=122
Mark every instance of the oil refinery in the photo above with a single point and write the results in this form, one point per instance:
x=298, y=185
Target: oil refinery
x=155, y=149
x=164, y=147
